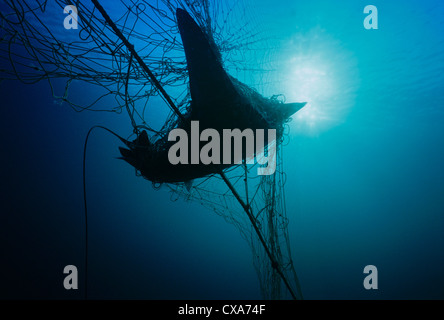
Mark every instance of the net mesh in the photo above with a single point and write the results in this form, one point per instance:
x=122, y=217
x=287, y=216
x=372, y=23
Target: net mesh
x=35, y=47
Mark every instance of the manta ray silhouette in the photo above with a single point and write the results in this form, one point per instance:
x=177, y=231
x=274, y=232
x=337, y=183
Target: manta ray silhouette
x=218, y=101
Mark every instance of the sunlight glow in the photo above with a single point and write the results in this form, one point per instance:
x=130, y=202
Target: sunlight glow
x=311, y=80
x=322, y=74
x=314, y=84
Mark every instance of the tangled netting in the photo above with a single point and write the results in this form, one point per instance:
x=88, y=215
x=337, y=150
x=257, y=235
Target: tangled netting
x=34, y=46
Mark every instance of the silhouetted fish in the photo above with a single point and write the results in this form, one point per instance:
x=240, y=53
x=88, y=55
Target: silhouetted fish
x=218, y=101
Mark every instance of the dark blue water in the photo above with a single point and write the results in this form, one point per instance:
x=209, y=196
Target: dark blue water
x=364, y=164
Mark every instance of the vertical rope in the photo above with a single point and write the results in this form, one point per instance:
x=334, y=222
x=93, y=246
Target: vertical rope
x=130, y=47
x=274, y=264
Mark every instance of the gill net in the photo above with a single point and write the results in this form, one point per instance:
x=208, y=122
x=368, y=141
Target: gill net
x=35, y=46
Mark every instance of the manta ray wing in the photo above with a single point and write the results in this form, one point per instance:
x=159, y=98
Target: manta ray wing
x=212, y=91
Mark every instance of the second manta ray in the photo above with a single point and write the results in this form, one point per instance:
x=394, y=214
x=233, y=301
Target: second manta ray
x=218, y=101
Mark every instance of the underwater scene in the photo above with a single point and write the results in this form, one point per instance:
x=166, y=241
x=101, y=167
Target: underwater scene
x=119, y=179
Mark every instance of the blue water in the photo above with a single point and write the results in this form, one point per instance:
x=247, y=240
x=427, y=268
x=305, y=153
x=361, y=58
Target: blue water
x=364, y=165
